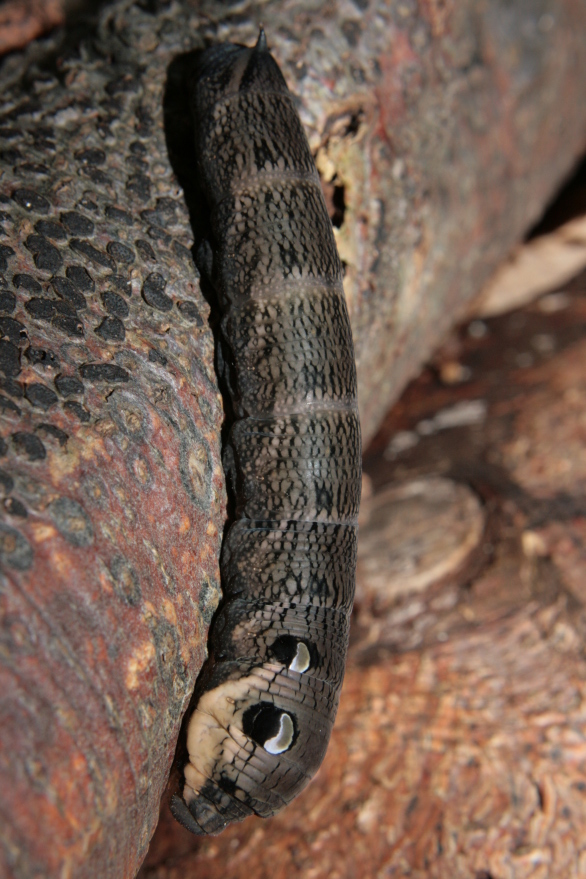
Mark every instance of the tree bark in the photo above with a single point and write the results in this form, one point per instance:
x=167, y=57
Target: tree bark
x=441, y=131
x=23, y=20
x=459, y=749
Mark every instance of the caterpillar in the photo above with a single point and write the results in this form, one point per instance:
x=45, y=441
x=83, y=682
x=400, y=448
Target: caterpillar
x=268, y=697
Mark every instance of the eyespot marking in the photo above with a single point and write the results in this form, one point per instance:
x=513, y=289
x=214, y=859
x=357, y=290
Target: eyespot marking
x=284, y=738
x=292, y=652
x=270, y=727
x=302, y=659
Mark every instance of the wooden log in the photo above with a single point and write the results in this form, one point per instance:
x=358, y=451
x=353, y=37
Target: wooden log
x=24, y=20
x=461, y=739
x=434, y=131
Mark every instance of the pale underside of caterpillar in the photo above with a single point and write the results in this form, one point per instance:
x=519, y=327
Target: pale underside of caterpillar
x=265, y=709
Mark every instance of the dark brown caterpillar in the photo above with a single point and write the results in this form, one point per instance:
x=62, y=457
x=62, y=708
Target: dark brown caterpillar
x=278, y=647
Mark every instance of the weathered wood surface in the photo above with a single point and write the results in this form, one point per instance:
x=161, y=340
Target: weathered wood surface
x=114, y=493
x=440, y=132
x=460, y=747
x=23, y=20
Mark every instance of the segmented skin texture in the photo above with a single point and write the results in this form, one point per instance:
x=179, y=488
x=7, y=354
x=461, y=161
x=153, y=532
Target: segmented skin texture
x=261, y=726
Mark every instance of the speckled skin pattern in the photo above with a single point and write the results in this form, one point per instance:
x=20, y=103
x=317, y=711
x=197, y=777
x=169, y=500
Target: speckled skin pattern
x=266, y=708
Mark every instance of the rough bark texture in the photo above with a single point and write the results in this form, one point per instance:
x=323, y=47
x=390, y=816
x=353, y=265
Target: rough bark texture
x=460, y=746
x=114, y=492
x=23, y=20
x=440, y=131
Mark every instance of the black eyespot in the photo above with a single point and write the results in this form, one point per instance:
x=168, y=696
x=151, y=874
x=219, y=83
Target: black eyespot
x=295, y=654
x=270, y=727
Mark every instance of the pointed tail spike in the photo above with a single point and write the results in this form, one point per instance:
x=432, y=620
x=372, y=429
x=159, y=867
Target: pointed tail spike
x=261, y=43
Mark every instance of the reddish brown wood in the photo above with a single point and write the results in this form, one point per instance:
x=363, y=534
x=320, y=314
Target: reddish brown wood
x=24, y=20
x=460, y=747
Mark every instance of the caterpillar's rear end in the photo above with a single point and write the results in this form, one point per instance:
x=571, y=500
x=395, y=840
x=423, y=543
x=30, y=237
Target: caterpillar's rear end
x=278, y=647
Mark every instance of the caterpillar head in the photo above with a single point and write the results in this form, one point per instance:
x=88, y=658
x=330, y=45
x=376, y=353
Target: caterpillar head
x=254, y=742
